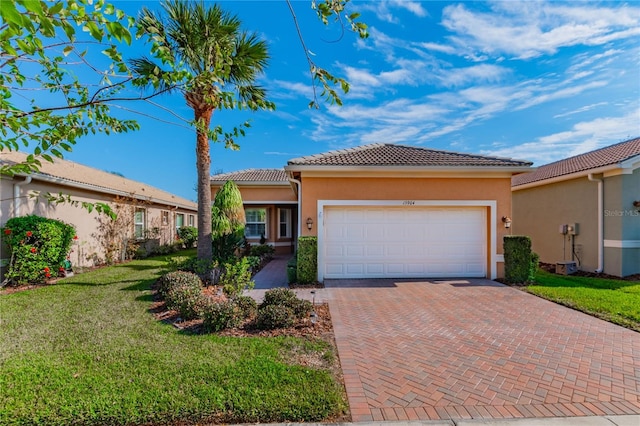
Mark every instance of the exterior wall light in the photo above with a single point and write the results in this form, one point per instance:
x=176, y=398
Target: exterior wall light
x=507, y=221
x=309, y=223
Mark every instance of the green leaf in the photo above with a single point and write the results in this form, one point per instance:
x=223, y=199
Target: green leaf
x=68, y=49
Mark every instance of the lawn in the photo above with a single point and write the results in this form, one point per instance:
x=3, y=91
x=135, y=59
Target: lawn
x=617, y=301
x=88, y=351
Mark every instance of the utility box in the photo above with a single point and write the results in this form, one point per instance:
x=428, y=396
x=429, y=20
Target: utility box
x=566, y=267
x=572, y=229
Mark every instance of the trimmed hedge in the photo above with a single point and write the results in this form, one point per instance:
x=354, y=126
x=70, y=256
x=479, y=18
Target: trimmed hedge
x=307, y=271
x=520, y=263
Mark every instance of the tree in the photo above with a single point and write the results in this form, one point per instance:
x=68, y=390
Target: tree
x=203, y=53
x=228, y=221
x=44, y=106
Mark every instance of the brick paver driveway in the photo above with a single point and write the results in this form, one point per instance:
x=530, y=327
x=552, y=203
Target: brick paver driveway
x=471, y=349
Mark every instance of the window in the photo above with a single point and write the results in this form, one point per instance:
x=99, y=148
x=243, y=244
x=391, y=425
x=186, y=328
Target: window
x=165, y=218
x=139, y=223
x=284, y=228
x=179, y=220
x=256, y=223
x=192, y=220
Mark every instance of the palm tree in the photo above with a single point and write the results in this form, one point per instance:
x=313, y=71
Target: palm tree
x=202, y=52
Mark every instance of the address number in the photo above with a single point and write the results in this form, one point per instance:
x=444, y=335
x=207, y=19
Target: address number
x=408, y=203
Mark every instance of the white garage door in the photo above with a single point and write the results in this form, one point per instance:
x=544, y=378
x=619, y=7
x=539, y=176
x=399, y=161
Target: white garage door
x=401, y=242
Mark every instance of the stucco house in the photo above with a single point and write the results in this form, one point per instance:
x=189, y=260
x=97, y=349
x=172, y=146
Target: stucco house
x=388, y=211
x=146, y=214
x=585, y=209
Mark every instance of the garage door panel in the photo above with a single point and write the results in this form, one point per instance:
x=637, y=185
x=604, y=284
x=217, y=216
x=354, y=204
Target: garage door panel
x=404, y=242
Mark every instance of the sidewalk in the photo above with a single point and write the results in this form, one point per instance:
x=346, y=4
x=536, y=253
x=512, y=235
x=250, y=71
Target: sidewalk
x=633, y=420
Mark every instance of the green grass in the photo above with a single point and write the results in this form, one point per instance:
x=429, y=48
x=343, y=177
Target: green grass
x=617, y=301
x=88, y=351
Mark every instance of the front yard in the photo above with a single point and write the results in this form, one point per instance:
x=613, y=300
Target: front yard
x=88, y=351
x=616, y=301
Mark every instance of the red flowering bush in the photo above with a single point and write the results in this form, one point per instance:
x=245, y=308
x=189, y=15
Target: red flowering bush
x=37, y=245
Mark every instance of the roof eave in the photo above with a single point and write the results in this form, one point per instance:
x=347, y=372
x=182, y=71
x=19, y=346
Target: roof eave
x=316, y=168
x=252, y=182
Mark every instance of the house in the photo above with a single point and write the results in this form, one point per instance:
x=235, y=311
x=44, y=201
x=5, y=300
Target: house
x=146, y=215
x=271, y=206
x=388, y=211
x=585, y=209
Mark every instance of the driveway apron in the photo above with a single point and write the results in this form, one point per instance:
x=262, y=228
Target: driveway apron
x=461, y=349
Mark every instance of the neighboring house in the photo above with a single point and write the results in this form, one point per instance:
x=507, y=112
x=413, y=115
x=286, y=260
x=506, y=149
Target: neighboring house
x=145, y=214
x=271, y=207
x=599, y=192
x=391, y=211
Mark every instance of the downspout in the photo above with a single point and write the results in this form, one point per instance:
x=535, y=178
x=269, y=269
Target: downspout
x=600, y=222
x=16, y=195
x=298, y=183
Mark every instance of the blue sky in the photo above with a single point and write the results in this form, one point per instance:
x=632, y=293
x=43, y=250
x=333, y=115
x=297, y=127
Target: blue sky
x=538, y=81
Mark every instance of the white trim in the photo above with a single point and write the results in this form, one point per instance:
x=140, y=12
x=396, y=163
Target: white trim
x=493, y=233
x=288, y=223
x=259, y=203
x=500, y=258
x=622, y=244
x=266, y=223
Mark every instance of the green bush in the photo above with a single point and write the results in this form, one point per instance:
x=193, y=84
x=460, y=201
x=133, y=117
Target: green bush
x=236, y=277
x=275, y=316
x=188, y=235
x=285, y=297
x=307, y=260
x=175, y=279
x=254, y=263
x=219, y=316
x=263, y=250
x=187, y=299
x=292, y=270
x=39, y=246
x=520, y=263
x=248, y=306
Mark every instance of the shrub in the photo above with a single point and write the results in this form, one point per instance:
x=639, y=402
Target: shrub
x=175, y=279
x=292, y=273
x=38, y=246
x=188, y=235
x=275, y=316
x=254, y=263
x=248, y=306
x=187, y=299
x=219, y=316
x=236, y=277
x=520, y=263
x=307, y=260
x=285, y=297
x=263, y=250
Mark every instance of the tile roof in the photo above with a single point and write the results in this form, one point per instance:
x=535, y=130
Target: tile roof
x=98, y=180
x=602, y=157
x=385, y=154
x=253, y=175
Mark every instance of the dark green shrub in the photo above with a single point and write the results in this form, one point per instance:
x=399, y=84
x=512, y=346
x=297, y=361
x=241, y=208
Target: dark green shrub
x=520, y=263
x=292, y=270
x=236, y=277
x=187, y=299
x=307, y=260
x=248, y=306
x=535, y=262
x=175, y=279
x=275, y=316
x=188, y=235
x=220, y=316
x=263, y=250
x=285, y=297
x=39, y=246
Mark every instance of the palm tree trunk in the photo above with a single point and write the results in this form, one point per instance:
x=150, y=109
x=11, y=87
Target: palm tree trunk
x=203, y=166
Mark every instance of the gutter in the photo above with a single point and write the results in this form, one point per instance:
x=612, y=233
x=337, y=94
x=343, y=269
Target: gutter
x=600, y=221
x=16, y=195
x=299, y=193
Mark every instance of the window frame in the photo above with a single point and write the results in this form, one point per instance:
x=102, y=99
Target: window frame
x=191, y=220
x=266, y=221
x=286, y=223
x=142, y=224
x=164, y=217
x=177, y=216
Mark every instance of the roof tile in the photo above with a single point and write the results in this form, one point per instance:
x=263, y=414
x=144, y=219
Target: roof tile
x=606, y=156
x=252, y=175
x=385, y=154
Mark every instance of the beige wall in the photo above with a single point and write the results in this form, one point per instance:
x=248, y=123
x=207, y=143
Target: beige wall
x=87, y=249
x=400, y=188
x=265, y=193
x=539, y=211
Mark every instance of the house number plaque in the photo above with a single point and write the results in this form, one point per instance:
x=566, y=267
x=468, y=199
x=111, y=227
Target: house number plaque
x=408, y=203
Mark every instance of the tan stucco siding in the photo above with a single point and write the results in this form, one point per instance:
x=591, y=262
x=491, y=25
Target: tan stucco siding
x=87, y=249
x=539, y=211
x=266, y=194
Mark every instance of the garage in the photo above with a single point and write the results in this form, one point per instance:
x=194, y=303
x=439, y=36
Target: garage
x=403, y=241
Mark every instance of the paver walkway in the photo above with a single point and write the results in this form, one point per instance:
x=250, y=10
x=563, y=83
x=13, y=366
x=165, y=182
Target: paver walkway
x=477, y=349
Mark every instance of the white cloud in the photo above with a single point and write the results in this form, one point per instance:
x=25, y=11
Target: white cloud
x=580, y=110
